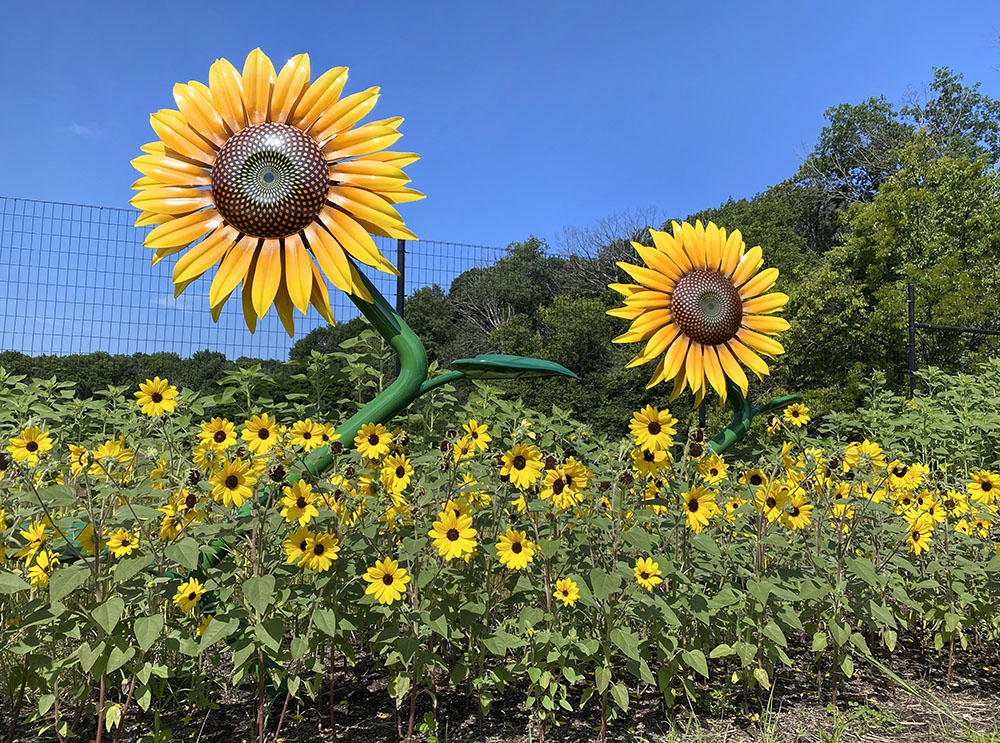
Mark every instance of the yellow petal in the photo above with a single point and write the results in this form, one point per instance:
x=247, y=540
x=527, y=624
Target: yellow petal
x=292, y=82
x=205, y=254
x=145, y=182
x=232, y=270
x=216, y=309
x=695, y=367
x=401, y=195
x=660, y=341
x=195, y=103
x=759, y=283
x=398, y=159
x=298, y=272
x=227, y=93
x=763, y=343
x=713, y=255
x=162, y=253
x=626, y=290
x=323, y=93
x=249, y=315
x=283, y=304
x=648, y=299
x=748, y=265
x=766, y=323
x=765, y=304
x=671, y=248
x=396, y=232
x=647, y=277
x=171, y=127
x=171, y=171
x=258, y=79
x=657, y=376
x=183, y=230
x=320, y=298
x=374, y=176
x=694, y=245
x=750, y=360
x=732, y=368
x=658, y=262
x=628, y=313
x=154, y=148
x=147, y=218
x=713, y=372
x=673, y=361
x=331, y=257
x=344, y=114
x=172, y=199
x=361, y=141
x=732, y=252
x=680, y=381
x=267, y=276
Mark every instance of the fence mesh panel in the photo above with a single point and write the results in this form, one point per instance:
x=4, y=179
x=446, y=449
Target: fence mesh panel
x=76, y=279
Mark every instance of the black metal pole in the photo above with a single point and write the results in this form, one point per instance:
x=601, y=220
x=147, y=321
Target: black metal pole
x=400, y=282
x=701, y=415
x=911, y=339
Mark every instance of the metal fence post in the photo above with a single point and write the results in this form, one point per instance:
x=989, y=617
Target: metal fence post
x=911, y=338
x=400, y=282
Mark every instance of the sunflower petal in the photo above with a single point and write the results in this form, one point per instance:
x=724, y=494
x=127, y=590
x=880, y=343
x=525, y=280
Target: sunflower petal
x=231, y=271
x=693, y=238
x=283, y=304
x=298, y=272
x=762, y=343
x=374, y=176
x=732, y=252
x=344, y=114
x=673, y=360
x=759, y=283
x=148, y=218
x=320, y=298
x=267, y=277
x=713, y=372
x=748, y=265
x=398, y=159
x=205, y=254
x=323, y=93
x=227, y=93
x=672, y=248
x=402, y=195
x=647, y=277
x=331, y=258
x=657, y=376
x=183, y=230
x=766, y=323
x=694, y=367
x=176, y=134
x=658, y=261
x=172, y=172
x=648, y=299
x=750, y=360
x=195, y=103
x=172, y=199
x=766, y=303
x=713, y=253
x=249, y=315
x=292, y=82
x=355, y=239
x=258, y=80
x=732, y=369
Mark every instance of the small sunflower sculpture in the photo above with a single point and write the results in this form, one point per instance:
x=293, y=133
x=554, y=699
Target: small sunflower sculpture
x=700, y=306
x=268, y=178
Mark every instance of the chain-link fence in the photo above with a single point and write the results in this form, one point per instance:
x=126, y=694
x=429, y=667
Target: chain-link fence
x=76, y=279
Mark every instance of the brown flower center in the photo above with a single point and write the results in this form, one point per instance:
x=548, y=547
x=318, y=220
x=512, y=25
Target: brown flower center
x=516, y=548
x=156, y=397
x=452, y=535
x=232, y=481
x=519, y=462
x=219, y=437
x=270, y=180
x=654, y=427
x=31, y=446
x=707, y=307
x=387, y=579
x=373, y=439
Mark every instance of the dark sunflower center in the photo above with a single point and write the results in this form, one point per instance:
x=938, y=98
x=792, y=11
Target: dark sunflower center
x=899, y=470
x=387, y=579
x=191, y=500
x=771, y=502
x=192, y=596
x=516, y=548
x=693, y=505
x=916, y=536
x=987, y=486
x=644, y=575
x=654, y=428
x=319, y=549
x=263, y=433
x=475, y=434
x=373, y=439
x=270, y=180
x=306, y=435
x=707, y=307
x=219, y=436
x=648, y=455
x=232, y=481
x=794, y=512
x=400, y=472
x=452, y=535
x=156, y=397
x=558, y=486
x=301, y=502
x=755, y=480
x=519, y=462
x=31, y=446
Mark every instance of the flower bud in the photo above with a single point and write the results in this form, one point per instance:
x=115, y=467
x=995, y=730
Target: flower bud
x=696, y=450
x=550, y=462
x=697, y=434
x=625, y=478
x=445, y=447
x=278, y=473
x=194, y=477
x=336, y=447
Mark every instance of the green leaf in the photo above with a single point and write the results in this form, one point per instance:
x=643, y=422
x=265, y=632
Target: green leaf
x=184, y=552
x=10, y=583
x=603, y=584
x=773, y=632
x=627, y=642
x=118, y=658
x=721, y=651
x=619, y=693
x=761, y=675
x=864, y=569
x=502, y=366
x=602, y=677
x=847, y=665
x=889, y=637
x=108, y=614
x=57, y=496
x=66, y=580
x=325, y=621
x=270, y=633
x=147, y=630
x=258, y=592
x=639, y=539
x=131, y=566
x=819, y=642
x=217, y=629
x=89, y=655
x=695, y=660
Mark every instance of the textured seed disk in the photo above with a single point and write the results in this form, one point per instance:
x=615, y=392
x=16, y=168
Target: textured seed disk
x=707, y=307
x=270, y=180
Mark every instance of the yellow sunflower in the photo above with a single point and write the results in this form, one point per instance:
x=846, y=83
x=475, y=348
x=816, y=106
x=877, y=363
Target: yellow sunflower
x=700, y=302
x=233, y=483
x=566, y=591
x=652, y=428
x=295, y=546
x=864, y=454
x=797, y=512
x=647, y=573
x=984, y=487
x=478, y=433
x=647, y=462
x=45, y=563
x=713, y=470
x=386, y=581
x=396, y=473
x=514, y=549
x=699, y=507
x=29, y=445
x=307, y=434
x=271, y=174
x=522, y=465
x=261, y=433
x=920, y=532
x=156, y=396
x=218, y=434
x=188, y=594
x=453, y=534
x=297, y=503
x=373, y=440
x=320, y=552
x=122, y=543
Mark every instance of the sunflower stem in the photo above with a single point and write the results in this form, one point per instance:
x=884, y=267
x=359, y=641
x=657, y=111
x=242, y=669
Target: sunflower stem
x=743, y=415
x=406, y=388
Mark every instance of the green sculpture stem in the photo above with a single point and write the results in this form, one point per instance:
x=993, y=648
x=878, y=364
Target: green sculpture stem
x=407, y=387
x=743, y=415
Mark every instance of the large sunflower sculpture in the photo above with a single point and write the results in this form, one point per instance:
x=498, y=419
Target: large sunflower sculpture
x=700, y=306
x=269, y=178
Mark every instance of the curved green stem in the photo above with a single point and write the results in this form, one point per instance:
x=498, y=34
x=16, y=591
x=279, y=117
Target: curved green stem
x=743, y=415
x=405, y=389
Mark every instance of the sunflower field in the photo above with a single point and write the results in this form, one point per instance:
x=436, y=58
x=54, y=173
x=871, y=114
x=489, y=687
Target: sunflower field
x=161, y=551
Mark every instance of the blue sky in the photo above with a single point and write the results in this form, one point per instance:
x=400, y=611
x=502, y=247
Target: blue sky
x=530, y=116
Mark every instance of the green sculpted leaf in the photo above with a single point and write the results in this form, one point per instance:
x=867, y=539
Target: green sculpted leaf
x=501, y=366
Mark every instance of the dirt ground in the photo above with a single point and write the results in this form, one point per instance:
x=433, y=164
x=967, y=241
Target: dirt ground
x=871, y=709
